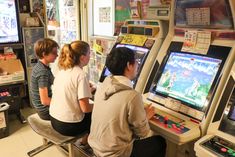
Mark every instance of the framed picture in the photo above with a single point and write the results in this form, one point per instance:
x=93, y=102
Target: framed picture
x=38, y=6
x=24, y=6
x=103, y=17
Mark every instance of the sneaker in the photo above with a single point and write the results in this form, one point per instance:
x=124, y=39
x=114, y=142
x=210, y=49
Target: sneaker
x=78, y=144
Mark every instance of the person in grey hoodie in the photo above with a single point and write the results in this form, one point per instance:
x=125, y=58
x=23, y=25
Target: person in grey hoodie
x=119, y=126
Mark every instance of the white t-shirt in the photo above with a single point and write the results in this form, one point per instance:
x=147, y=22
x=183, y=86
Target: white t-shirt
x=69, y=86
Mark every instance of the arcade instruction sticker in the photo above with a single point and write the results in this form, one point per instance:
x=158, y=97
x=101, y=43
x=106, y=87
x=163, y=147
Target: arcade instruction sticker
x=131, y=39
x=190, y=38
x=203, y=42
x=196, y=41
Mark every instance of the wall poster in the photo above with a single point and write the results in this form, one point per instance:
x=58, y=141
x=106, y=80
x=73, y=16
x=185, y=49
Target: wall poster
x=103, y=17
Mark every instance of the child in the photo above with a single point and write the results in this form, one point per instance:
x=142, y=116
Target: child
x=70, y=110
x=42, y=77
x=119, y=121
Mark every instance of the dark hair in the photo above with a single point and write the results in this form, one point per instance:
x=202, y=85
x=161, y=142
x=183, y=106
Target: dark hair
x=44, y=46
x=118, y=58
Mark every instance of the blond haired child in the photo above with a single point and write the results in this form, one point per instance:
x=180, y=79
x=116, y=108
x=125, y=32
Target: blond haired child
x=70, y=110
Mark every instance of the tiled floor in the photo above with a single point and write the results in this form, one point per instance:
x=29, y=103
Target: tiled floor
x=23, y=139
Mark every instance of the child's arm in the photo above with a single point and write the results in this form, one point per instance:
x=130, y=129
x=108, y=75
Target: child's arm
x=45, y=100
x=85, y=106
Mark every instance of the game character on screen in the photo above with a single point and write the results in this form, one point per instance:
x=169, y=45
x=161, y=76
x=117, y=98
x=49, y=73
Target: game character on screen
x=193, y=90
x=171, y=81
x=165, y=78
x=42, y=77
x=120, y=124
x=70, y=110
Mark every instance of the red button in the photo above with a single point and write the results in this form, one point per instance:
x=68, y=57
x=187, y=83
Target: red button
x=165, y=118
x=178, y=129
x=174, y=126
x=223, y=150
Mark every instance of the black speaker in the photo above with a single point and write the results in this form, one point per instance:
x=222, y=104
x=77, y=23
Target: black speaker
x=148, y=31
x=123, y=29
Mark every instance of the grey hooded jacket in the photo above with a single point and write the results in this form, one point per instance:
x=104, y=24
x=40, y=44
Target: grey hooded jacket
x=118, y=118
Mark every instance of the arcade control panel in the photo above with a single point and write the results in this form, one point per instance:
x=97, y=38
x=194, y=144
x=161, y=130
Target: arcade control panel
x=174, y=126
x=171, y=126
x=219, y=146
x=171, y=123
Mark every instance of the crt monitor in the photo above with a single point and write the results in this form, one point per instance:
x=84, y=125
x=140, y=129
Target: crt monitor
x=104, y=74
x=9, y=22
x=231, y=114
x=227, y=124
x=188, y=78
x=140, y=55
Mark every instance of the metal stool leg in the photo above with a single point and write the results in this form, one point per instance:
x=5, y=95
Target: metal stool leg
x=39, y=149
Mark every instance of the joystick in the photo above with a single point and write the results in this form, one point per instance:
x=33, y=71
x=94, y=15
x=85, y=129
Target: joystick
x=165, y=120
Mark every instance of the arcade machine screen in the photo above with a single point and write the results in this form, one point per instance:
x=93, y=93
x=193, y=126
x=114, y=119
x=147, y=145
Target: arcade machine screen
x=212, y=14
x=232, y=114
x=9, y=22
x=227, y=124
x=218, y=144
x=104, y=74
x=188, y=78
x=141, y=55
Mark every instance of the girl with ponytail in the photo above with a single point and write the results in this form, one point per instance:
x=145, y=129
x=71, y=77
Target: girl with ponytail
x=70, y=110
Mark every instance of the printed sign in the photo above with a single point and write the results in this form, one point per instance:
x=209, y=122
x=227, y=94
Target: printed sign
x=131, y=39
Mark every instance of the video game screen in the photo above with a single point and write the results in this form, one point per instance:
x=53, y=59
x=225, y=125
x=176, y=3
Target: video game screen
x=9, y=24
x=104, y=74
x=141, y=54
x=231, y=114
x=107, y=72
x=189, y=78
x=227, y=124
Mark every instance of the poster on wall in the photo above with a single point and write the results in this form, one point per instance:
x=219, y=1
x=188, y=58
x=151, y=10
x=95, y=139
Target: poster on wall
x=103, y=17
x=122, y=13
x=52, y=7
x=145, y=5
x=104, y=14
x=38, y=6
x=100, y=47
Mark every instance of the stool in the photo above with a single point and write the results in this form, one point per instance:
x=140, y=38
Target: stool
x=50, y=136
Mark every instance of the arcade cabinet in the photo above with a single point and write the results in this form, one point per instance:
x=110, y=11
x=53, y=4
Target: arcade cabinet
x=193, y=65
x=145, y=37
x=220, y=138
